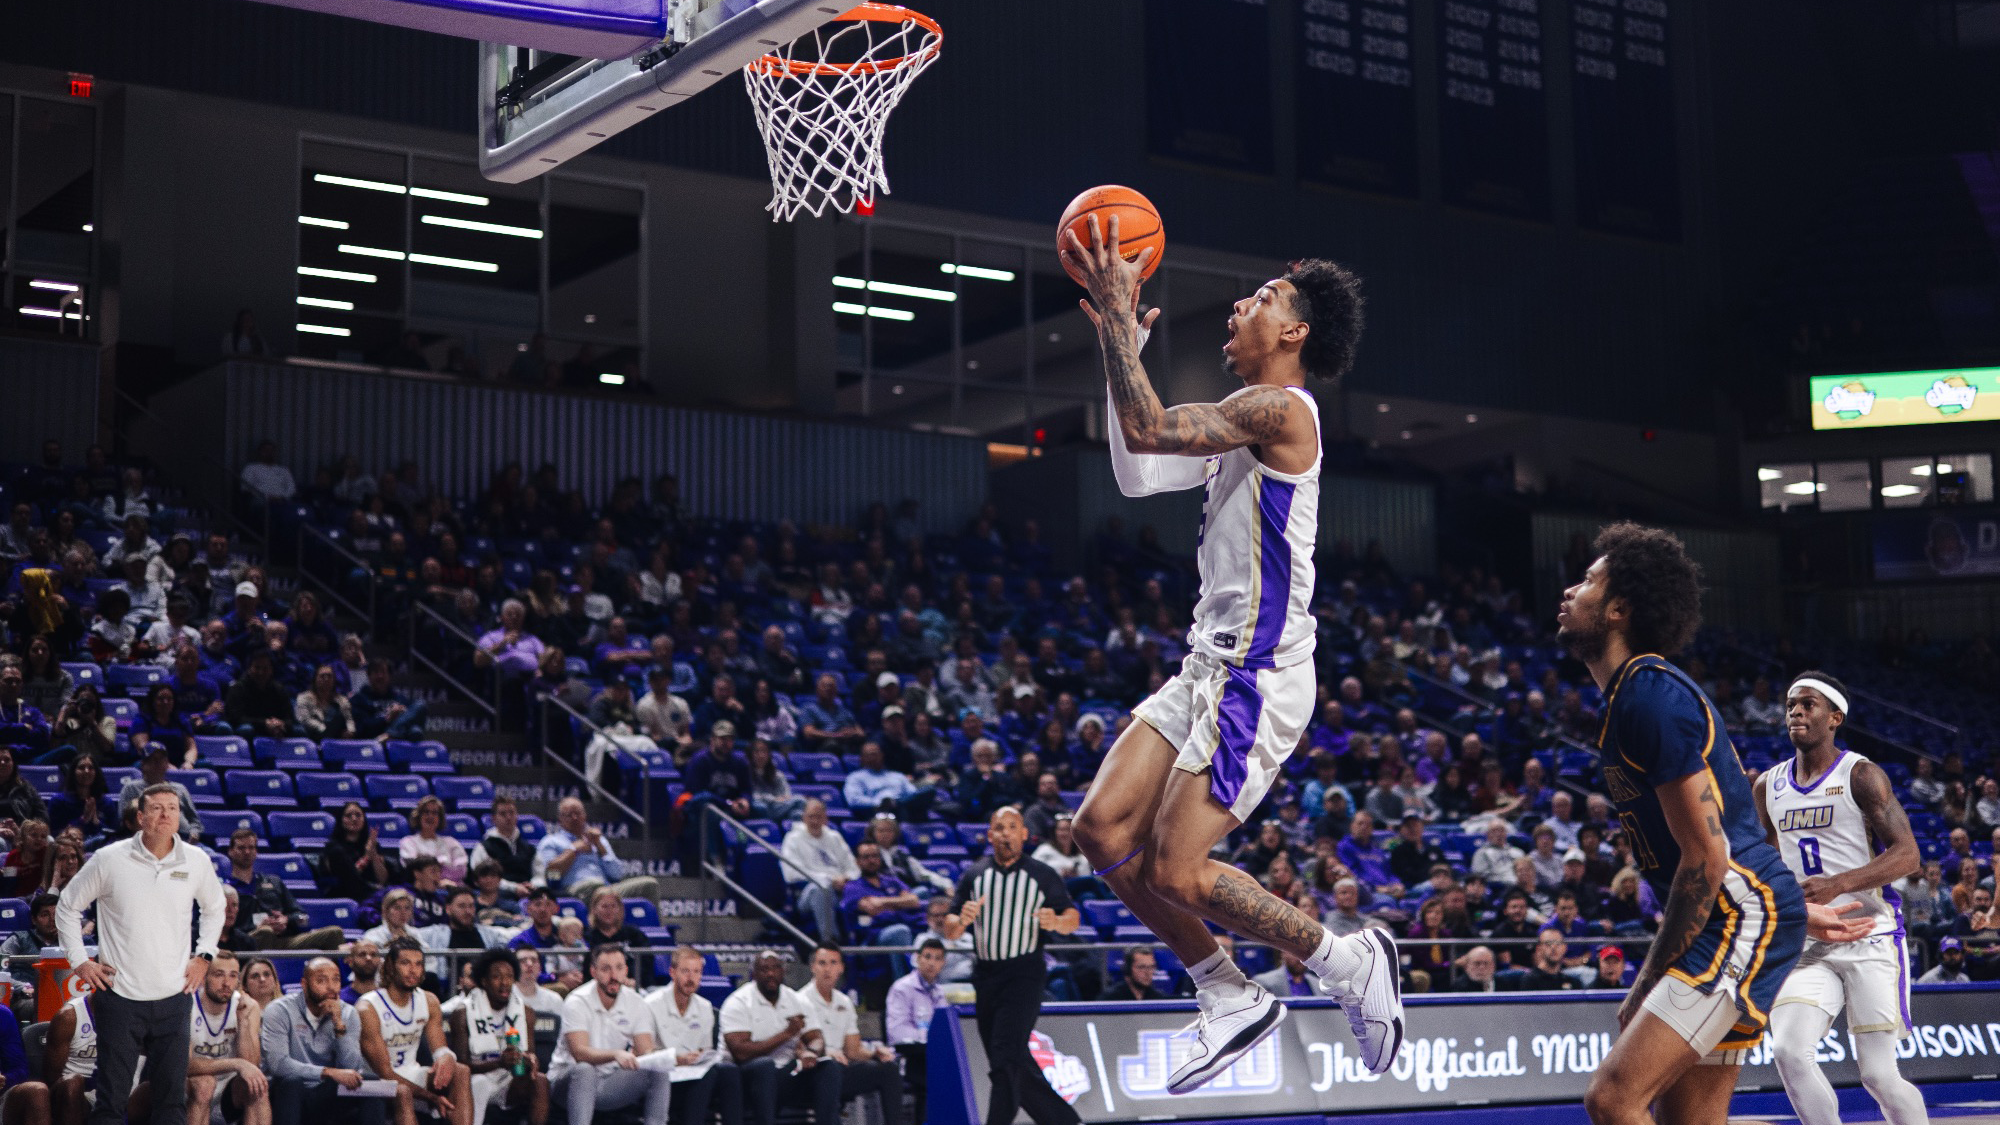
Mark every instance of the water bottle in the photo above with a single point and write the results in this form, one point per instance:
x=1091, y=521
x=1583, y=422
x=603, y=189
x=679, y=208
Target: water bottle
x=520, y=1067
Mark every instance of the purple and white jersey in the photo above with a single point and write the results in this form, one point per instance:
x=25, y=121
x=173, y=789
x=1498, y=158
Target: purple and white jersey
x=1821, y=832
x=1255, y=551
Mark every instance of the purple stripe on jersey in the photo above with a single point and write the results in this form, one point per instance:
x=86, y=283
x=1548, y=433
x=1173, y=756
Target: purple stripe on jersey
x=1903, y=979
x=1274, y=565
x=1236, y=717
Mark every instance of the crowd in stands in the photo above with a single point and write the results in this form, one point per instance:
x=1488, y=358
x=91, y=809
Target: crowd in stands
x=856, y=701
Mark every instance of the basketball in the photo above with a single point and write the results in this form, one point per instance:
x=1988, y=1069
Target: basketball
x=1138, y=223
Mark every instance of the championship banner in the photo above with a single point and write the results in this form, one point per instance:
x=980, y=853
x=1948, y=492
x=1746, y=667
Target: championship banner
x=1938, y=543
x=1111, y=1061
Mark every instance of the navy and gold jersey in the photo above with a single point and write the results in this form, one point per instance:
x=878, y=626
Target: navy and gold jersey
x=1659, y=727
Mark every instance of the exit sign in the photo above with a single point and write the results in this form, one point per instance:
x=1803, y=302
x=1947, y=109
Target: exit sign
x=80, y=85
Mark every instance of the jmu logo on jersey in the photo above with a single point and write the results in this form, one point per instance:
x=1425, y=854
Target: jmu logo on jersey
x=1811, y=816
x=1065, y=1072
x=1145, y=1074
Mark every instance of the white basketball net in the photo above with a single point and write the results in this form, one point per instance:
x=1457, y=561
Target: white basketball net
x=823, y=120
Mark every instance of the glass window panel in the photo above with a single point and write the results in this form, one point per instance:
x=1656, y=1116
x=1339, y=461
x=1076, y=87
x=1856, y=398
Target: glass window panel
x=55, y=184
x=1846, y=486
x=907, y=306
x=1965, y=478
x=595, y=270
x=39, y=306
x=1067, y=361
x=992, y=316
x=1197, y=308
x=352, y=219
x=851, y=339
x=1906, y=482
x=1786, y=486
x=475, y=250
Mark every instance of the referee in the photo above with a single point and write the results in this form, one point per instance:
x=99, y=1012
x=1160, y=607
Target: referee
x=1007, y=900
x=145, y=889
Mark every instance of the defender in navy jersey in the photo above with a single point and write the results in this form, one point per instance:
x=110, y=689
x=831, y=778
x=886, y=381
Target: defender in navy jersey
x=1734, y=919
x=1205, y=749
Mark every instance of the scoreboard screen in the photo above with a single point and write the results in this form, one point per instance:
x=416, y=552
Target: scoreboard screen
x=1357, y=98
x=1492, y=114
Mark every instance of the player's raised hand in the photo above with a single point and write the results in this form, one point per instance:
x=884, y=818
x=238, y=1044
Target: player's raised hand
x=1825, y=923
x=1112, y=281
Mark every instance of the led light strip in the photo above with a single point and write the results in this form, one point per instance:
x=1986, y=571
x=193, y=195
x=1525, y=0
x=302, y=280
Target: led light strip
x=336, y=275
x=980, y=272
x=486, y=228
x=399, y=189
x=894, y=289
x=324, y=303
x=57, y=286
x=330, y=224
x=876, y=311
x=52, y=314
x=323, y=330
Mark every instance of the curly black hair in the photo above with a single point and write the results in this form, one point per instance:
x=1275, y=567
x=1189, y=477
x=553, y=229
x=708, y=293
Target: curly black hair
x=1328, y=298
x=1651, y=570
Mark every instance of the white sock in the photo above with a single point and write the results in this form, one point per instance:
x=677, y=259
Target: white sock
x=1334, y=960
x=1217, y=973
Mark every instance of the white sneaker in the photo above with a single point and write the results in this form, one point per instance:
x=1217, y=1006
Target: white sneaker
x=1373, y=1000
x=1224, y=1031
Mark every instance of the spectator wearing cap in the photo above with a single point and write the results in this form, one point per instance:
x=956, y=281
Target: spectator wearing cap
x=893, y=736
x=612, y=707
x=825, y=723
x=1610, y=969
x=540, y=933
x=1576, y=880
x=1950, y=968
x=873, y=786
x=257, y=705
x=1411, y=857
x=1024, y=717
x=720, y=776
x=888, y=693
x=153, y=771
x=247, y=606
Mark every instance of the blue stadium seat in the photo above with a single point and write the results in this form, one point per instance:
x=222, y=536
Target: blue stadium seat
x=329, y=790
x=14, y=916
x=331, y=912
x=223, y=751
x=223, y=823
x=419, y=757
x=121, y=710
x=261, y=789
x=133, y=680
x=464, y=828
x=301, y=831
x=1103, y=916
x=286, y=753
x=808, y=765
x=291, y=868
x=390, y=828
x=940, y=854
x=204, y=786
x=532, y=827
x=47, y=780
x=642, y=914
x=464, y=794
x=115, y=777
x=1135, y=933
x=355, y=755
x=854, y=830
x=83, y=673
x=827, y=793
x=397, y=790
x=973, y=836
x=571, y=908
x=928, y=835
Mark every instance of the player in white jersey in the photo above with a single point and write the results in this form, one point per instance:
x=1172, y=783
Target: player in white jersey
x=478, y=1024
x=1834, y=816
x=225, y=1060
x=69, y=1059
x=1207, y=747
x=395, y=1018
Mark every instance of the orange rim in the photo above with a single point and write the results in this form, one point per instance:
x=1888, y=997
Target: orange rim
x=878, y=13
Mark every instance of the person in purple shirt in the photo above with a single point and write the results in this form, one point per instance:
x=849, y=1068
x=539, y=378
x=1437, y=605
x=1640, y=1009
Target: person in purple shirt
x=907, y=1016
x=1366, y=858
x=1331, y=733
x=540, y=932
x=23, y=1101
x=1361, y=714
x=879, y=903
x=511, y=649
x=620, y=651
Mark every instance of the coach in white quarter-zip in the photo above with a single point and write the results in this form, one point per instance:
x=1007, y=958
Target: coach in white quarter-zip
x=145, y=890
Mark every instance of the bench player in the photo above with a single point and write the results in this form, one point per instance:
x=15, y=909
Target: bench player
x=394, y=1019
x=1834, y=817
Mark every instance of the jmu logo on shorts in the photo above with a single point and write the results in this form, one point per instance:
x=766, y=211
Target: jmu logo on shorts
x=1811, y=816
x=1145, y=1074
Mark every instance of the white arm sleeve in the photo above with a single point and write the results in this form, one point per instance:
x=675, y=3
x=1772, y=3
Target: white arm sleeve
x=1143, y=474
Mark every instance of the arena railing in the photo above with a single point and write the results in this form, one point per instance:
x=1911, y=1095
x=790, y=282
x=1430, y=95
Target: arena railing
x=328, y=586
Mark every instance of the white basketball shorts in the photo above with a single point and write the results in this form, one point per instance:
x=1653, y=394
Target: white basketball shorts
x=1870, y=978
x=1240, y=724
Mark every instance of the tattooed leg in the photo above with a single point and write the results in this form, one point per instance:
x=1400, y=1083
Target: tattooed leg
x=1189, y=823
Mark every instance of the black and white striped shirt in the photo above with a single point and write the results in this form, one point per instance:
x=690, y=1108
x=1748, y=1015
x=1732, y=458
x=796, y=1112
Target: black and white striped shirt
x=1006, y=927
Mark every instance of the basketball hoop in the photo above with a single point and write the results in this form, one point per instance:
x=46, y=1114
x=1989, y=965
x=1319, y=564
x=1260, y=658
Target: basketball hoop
x=824, y=100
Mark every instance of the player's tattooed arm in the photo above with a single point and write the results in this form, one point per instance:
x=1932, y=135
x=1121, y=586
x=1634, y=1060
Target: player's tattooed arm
x=1888, y=826
x=1251, y=416
x=1693, y=815
x=1239, y=903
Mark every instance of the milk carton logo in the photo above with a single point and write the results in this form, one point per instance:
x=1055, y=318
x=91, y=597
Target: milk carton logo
x=1145, y=1074
x=1951, y=396
x=1849, y=401
x=1064, y=1072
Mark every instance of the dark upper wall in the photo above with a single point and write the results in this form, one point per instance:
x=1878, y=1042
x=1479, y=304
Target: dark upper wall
x=1464, y=307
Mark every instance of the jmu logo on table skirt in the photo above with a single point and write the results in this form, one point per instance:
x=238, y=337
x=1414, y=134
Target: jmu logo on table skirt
x=1145, y=1074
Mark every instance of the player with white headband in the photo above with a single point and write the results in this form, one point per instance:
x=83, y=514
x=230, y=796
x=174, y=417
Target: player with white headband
x=1834, y=817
